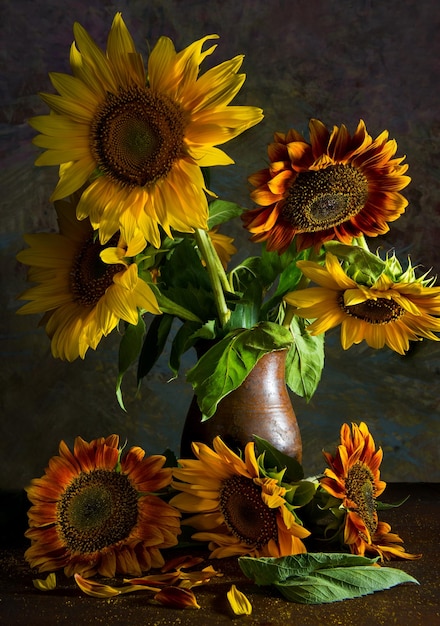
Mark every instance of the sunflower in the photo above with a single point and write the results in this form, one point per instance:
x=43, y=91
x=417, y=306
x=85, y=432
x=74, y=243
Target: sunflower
x=140, y=136
x=353, y=477
x=82, y=296
x=337, y=186
x=94, y=511
x=235, y=508
x=392, y=311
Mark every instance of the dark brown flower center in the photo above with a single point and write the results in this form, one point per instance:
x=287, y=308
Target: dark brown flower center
x=90, y=277
x=322, y=199
x=245, y=513
x=137, y=135
x=380, y=311
x=360, y=488
x=98, y=509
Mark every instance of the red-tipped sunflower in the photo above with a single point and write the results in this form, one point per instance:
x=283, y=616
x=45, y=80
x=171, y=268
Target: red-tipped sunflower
x=94, y=511
x=84, y=288
x=338, y=186
x=140, y=135
x=353, y=477
x=234, y=507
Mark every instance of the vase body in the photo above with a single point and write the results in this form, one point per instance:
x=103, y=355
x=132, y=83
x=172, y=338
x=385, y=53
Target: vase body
x=260, y=406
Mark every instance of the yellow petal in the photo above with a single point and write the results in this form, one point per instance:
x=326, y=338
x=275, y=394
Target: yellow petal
x=47, y=584
x=94, y=589
x=239, y=602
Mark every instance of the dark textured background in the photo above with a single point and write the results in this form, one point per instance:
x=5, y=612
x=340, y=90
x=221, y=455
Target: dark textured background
x=335, y=60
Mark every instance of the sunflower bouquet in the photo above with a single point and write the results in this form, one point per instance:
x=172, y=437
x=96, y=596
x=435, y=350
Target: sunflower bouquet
x=139, y=247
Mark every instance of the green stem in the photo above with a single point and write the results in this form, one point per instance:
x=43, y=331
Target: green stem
x=361, y=242
x=216, y=273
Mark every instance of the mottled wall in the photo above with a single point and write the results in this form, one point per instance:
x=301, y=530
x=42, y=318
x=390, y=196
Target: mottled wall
x=336, y=60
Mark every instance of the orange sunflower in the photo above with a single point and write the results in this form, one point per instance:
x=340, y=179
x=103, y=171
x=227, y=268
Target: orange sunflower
x=82, y=295
x=140, y=136
x=235, y=508
x=337, y=186
x=353, y=477
x=391, y=311
x=94, y=511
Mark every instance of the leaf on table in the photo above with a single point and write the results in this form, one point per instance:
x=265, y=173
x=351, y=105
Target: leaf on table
x=315, y=578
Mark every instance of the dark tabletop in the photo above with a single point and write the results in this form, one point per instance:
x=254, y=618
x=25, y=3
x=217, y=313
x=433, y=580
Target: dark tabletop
x=417, y=521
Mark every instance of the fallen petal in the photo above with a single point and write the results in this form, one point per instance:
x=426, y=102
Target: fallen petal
x=94, y=589
x=47, y=584
x=177, y=598
x=239, y=602
x=181, y=562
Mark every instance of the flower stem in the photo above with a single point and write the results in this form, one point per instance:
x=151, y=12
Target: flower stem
x=216, y=273
x=361, y=242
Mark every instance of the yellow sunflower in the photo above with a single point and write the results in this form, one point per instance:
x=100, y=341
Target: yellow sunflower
x=236, y=509
x=141, y=136
x=389, y=312
x=337, y=186
x=94, y=511
x=353, y=477
x=82, y=296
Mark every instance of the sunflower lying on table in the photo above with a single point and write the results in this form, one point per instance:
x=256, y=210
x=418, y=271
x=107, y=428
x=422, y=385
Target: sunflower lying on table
x=97, y=511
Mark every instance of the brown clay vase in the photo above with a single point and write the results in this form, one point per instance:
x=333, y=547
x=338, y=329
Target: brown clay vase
x=260, y=406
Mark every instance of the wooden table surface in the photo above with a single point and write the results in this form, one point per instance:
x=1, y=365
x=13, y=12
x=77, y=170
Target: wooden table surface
x=417, y=522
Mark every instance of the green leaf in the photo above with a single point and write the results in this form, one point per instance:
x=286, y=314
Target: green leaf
x=167, y=305
x=154, y=343
x=246, y=313
x=221, y=211
x=315, y=578
x=129, y=348
x=300, y=494
x=305, y=360
x=180, y=344
x=275, y=458
x=383, y=506
x=268, y=570
x=225, y=366
x=342, y=584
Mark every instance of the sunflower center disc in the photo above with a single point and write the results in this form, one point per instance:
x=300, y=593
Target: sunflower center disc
x=359, y=486
x=322, y=199
x=90, y=276
x=137, y=135
x=245, y=513
x=380, y=311
x=98, y=509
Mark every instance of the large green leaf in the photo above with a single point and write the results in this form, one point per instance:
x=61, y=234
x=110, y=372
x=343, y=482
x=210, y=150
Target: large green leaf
x=315, y=578
x=225, y=366
x=342, y=584
x=305, y=360
x=269, y=570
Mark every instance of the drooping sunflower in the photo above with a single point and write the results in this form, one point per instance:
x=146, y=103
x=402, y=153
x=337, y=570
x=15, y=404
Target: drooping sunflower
x=94, y=511
x=82, y=296
x=338, y=186
x=234, y=507
x=392, y=311
x=353, y=478
x=141, y=136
